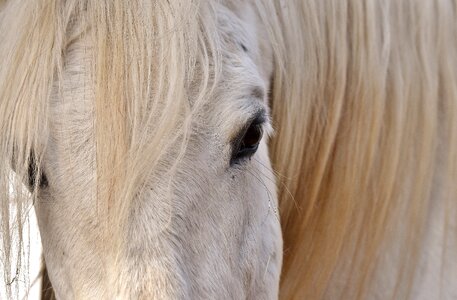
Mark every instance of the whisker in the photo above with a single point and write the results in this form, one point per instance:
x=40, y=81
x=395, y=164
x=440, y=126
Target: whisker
x=281, y=182
x=270, y=206
x=266, y=268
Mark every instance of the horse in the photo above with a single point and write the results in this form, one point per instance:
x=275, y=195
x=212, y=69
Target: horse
x=229, y=149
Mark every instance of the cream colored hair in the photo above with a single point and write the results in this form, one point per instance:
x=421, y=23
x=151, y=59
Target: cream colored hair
x=364, y=102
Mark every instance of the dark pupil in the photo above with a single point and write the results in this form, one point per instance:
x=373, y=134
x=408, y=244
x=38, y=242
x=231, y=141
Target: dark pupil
x=252, y=136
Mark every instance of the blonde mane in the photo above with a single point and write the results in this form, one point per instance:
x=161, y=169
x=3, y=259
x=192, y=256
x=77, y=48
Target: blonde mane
x=364, y=103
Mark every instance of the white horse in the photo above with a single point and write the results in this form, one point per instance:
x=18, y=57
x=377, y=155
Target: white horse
x=140, y=129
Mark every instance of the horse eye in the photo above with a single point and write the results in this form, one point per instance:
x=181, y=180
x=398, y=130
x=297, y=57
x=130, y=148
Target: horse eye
x=248, y=142
x=32, y=175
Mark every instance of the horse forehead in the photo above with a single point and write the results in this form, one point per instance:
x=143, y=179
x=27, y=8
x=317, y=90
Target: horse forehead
x=249, y=33
x=244, y=73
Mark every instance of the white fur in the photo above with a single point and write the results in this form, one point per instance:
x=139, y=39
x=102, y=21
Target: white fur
x=218, y=237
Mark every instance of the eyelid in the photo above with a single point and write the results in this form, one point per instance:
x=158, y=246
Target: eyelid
x=262, y=118
x=258, y=118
